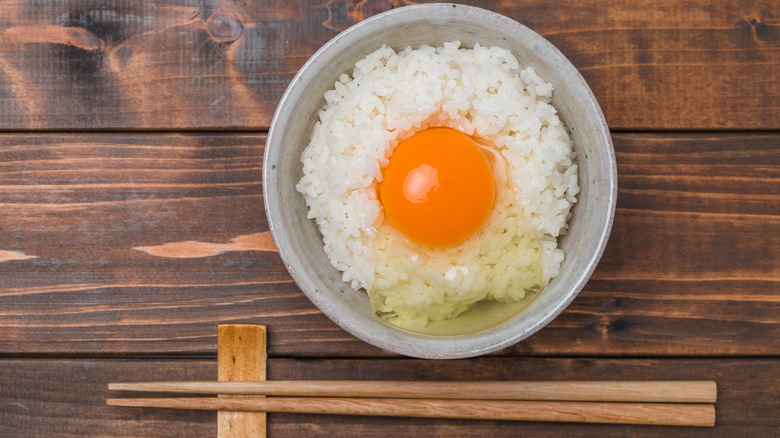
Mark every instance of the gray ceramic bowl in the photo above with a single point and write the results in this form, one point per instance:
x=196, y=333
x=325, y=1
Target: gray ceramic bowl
x=299, y=241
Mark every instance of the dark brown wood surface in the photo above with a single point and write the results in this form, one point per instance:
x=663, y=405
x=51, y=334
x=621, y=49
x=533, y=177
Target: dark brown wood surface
x=66, y=398
x=692, y=267
x=132, y=221
x=87, y=64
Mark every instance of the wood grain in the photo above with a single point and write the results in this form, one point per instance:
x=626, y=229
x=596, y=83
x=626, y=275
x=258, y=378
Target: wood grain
x=658, y=414
x=241, y=356
x=692, y=266
x=117, y=246
x=700, y=392
x=38, y=397
x=215, y=64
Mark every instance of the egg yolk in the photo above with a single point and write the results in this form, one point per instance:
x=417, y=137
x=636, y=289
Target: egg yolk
x=437, y=188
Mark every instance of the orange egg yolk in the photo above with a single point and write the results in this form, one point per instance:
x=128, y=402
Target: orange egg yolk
x=438, y=188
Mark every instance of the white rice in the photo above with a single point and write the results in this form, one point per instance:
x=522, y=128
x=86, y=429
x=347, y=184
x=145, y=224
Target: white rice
x=483, y=92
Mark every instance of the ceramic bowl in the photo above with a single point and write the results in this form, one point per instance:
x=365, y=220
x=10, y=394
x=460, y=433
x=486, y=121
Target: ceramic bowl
x=299, y=241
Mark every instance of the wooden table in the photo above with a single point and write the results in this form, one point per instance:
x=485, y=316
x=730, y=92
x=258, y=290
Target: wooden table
x=132, y=222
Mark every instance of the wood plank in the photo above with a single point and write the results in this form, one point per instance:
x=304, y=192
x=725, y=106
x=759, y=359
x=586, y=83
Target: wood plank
x=143, y=243
x=66, y=398
x=182, y=64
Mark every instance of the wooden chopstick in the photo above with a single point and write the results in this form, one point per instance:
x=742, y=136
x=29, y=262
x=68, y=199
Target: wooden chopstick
x=577, y=412
x=622, y=391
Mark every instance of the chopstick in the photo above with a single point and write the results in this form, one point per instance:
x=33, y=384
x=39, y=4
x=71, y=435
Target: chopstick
x=580, y=412
x=673, y=403
x=619, y=391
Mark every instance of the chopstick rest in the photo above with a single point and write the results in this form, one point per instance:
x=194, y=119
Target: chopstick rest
x=241, y=355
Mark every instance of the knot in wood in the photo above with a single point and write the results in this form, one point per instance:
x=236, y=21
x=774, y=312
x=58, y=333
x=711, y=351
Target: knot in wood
x=224, y=27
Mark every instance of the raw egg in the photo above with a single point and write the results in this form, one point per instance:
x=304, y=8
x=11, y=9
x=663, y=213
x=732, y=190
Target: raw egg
x=437, y=188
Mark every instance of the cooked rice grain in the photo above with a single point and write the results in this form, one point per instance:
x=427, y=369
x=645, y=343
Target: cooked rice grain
x=483, y=92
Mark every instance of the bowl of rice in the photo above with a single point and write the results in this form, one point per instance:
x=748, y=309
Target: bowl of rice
x=439, y=181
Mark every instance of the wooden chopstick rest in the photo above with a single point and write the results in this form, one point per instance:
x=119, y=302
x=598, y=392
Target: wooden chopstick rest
x=241, y=355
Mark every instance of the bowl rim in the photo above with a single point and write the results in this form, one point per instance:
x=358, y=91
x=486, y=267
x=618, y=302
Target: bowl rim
x=470, y=345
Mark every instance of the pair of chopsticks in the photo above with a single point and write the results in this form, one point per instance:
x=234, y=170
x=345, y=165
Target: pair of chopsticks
x=674, y=403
